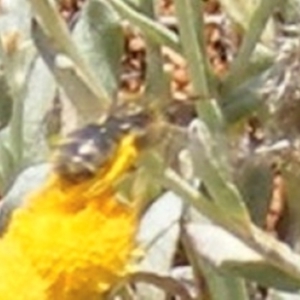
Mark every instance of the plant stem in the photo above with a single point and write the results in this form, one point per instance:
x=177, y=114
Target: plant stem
x=16, y=129
x=192, y=39
x=193, y=49
x=152, y=29
x=157, y=89
x=256, y=26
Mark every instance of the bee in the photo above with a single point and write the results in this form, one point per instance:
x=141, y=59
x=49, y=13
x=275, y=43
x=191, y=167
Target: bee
x=84, y=151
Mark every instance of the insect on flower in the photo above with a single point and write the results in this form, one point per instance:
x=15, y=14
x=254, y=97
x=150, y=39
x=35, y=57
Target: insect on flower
x=85, y=150
x=76, y=241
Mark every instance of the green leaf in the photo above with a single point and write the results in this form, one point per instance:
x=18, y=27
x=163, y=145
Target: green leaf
x=60, y=53
x=221, y=285
x=190, y=16
x=158, y=236
x=254, y=178
x=263, y=274
x=150, y=28
x=6, y=102
x=16, y=68
x=40, y=92
x=209, y=167
x=29, y=180
x=99, y=37
x=158, y=233
x=241, y=103
x=291, y=175
x=289, y=11
x=66, y=75
x=279, y=295
x=276, y=253
x=261, y=61
x=240, y=65
x=156, y=85
x=231, y=255
x=7, y=164
x=192, y=39
x=240, y=11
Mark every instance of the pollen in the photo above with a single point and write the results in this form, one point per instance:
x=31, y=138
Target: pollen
x=71, y=241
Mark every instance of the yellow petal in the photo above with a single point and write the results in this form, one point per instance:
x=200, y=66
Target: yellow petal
x=75, y=240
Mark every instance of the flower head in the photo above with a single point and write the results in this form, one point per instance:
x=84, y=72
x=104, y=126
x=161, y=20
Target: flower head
x=74, y=240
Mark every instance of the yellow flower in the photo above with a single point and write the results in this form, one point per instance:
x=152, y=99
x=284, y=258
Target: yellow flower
x=70, y=241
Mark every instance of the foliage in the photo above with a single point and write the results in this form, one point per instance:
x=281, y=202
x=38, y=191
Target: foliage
x=212, y=226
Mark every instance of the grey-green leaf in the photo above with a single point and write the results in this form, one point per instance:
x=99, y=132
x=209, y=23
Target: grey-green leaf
x=27, y=181
x=230, y=254
x=67, y=75
x=222, y=285
x=150, y=28
x=99, y=37
x=7, y=163
x=158, y=235
x=209, y=167
x=40, y=92
x=254, y=178
x=56, y=46
x=6, y=102
x=279, y=295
